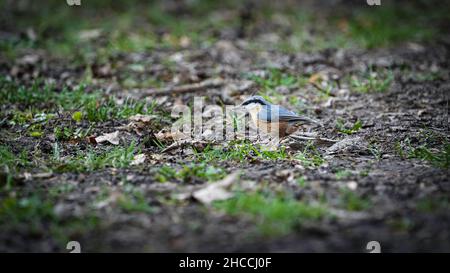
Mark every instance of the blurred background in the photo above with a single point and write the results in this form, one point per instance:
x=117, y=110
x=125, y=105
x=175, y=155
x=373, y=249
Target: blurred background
x=101, y=29
x=376, y=76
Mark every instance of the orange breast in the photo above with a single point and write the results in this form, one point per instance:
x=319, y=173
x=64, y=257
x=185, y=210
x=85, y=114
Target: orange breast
x=277, y=129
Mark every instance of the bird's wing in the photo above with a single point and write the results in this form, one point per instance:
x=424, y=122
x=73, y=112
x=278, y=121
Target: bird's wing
x=275, y=113
x=272, y=113
x=286, y=115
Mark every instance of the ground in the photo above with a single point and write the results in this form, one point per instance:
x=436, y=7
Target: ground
x=376, y=77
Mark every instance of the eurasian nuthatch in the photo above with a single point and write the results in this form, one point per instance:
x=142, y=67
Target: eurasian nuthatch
x=274, y=119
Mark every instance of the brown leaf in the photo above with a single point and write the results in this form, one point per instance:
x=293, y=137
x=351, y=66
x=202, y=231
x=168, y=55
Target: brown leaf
x=91, y=140
x=138, y=159
x=112, y=138
x=216, y=191
x=316, y=78
x=142, y=118
x=89, y=34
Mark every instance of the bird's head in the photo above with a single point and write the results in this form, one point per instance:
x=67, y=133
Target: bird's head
x=253, y=105
x=254, y=101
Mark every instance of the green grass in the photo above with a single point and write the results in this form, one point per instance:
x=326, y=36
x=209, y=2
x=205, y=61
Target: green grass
x=12, y=93
x=135, y=27
x=91, y=160
x=32, y=210
x=60, y=189
x=428, y=76
x=391, y=24
x=91, y=106
x=351, y=201
x=433, y=204
x=190, y=173
x=431, y=148
x=301, y=181
x=131, y=42
x=239, y=151
x=418, y=75
x=342, y=174
x=371, y=82
x=69, y=132
x=376, y=151
x=302, y=41
x=10, y=164
x=401, y=224
x=439, y=158
x=11, y=160
x=77, y=116
x=129, y=26
x=109, y=109
x=276, y=78
x=134, y=201
x=200, y=171
x=35, y=216
x=311, y=33
x=165, y=173
x=273, y=215
x=21, y=117
x=348, y=131
x=364, y=27
x=310, y=156
x=11, y=48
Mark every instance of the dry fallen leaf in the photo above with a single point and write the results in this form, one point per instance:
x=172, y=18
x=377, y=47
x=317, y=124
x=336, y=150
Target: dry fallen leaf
x=31, y=34
x=138, y=159
x=216, y=191
x=286, y=175
x=352, y=185
x=29, y=59
x=112, y=138
x=89, y=34
x=140, y=123
x=315, y=78
x=91, y=140
x=164, y=135
x=185, y=41
x=142, y=118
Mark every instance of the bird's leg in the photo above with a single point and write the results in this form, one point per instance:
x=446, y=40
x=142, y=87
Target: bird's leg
x=258, y=137
x=283, y=140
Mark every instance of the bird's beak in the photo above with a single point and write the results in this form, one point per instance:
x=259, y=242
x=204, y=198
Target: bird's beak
x=241, y=105
x=238, y=108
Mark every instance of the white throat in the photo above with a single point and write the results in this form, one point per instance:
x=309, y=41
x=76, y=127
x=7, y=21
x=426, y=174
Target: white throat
x=253, y=109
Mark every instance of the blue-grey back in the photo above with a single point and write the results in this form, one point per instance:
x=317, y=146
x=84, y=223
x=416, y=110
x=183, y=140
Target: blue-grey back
x=273, y=113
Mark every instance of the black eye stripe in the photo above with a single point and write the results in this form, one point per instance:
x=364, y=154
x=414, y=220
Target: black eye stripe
x=255, y=101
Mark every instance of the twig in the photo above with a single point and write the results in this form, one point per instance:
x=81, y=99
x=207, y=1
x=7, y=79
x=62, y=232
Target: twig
x=181, y=88
x=297, y=137
x=174, y=145
x=187, y=142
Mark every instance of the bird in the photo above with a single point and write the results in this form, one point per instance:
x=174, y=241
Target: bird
x=274, y=119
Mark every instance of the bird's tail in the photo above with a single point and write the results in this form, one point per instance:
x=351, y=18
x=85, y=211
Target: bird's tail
x=305, y=120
